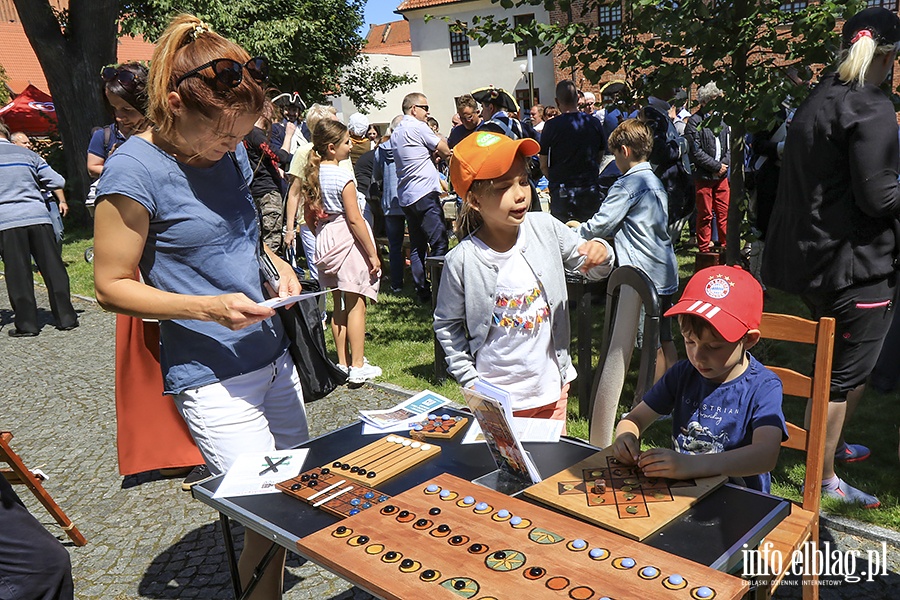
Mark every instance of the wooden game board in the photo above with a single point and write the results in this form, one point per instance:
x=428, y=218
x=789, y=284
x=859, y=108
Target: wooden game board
x=332, y=492
x=437, y=540
x=631, y=504
x=386, y=458
x=439, y=427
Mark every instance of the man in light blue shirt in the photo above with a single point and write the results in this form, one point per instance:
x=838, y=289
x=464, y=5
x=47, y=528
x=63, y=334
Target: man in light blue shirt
x=418, y=187
x=26, y=231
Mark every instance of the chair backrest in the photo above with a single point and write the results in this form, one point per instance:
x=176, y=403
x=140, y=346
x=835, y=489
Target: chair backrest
x=816, y=388
x=627, y=290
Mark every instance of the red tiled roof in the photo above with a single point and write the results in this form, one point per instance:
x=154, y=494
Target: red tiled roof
x=8, y=12
x=21, y=64
x=413, y=4
x=389, y=38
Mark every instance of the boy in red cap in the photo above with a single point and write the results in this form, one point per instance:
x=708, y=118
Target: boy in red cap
x=725, y=405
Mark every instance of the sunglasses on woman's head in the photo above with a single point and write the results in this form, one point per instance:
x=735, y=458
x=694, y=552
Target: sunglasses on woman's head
x=123, y=76
x=230, y=72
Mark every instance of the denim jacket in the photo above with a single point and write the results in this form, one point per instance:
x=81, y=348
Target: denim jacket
x=635, y=214
x=465, y=300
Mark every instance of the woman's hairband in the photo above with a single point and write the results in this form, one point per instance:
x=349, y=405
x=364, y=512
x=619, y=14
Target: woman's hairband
x=198, y=29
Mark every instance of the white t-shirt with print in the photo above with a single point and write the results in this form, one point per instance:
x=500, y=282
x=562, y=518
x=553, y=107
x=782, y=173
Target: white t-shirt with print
x=518, y=353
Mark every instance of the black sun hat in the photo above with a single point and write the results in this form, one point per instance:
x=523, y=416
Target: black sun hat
x=882, y=24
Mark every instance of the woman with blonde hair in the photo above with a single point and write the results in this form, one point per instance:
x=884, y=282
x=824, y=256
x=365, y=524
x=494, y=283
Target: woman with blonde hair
x=832, y=237
x=174, y=202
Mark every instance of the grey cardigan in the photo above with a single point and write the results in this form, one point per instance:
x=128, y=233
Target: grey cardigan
x=465, y=301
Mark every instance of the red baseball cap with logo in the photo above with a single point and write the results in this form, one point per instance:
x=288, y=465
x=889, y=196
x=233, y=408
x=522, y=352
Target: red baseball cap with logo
x=486, y=155
x=729, y=298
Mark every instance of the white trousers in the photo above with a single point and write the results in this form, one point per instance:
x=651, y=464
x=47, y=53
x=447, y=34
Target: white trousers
x=258, y=411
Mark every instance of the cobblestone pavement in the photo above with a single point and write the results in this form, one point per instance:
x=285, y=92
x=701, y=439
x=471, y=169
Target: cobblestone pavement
x=147, y=538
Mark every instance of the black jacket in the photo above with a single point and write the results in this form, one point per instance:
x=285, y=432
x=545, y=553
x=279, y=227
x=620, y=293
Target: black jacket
x=703, y=146
x=835, y=218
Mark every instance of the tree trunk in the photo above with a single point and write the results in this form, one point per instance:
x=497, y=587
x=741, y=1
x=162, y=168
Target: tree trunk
x=71, y=54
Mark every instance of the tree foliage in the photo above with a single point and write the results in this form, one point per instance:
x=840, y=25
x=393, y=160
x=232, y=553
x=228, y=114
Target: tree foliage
x=366, y=85
x=758, y=54
x=310, y=44
x=4, y=92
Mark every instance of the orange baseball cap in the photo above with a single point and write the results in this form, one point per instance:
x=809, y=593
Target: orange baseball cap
x=486, y=155
x=729, y=298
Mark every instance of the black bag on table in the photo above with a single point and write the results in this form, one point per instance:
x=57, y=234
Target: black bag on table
x=303, y=326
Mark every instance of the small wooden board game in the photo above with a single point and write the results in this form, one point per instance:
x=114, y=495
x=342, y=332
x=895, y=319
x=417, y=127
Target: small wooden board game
x=332, y=492
x=439, y=426
x=449, y=538
x=383, y=459
x=603, y=491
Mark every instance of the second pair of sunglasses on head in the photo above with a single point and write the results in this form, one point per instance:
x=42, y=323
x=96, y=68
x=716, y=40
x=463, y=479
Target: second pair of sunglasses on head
x=230, y=72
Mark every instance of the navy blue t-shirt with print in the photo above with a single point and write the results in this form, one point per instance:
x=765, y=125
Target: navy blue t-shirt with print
x=203, y=240
x=710, y=417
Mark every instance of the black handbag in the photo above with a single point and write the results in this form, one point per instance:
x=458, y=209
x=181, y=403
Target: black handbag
x=303, y=326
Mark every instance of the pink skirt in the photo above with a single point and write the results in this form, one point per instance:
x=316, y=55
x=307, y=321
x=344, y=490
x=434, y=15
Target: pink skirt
x=341, y=259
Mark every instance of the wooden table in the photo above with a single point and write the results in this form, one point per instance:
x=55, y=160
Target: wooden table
x=712, y=533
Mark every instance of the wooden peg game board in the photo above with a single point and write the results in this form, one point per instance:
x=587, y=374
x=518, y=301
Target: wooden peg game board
x=332, y=492
x=603, y=491
x=383, y=459
x=448, y=538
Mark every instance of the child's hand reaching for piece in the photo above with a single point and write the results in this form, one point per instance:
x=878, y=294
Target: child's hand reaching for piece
x=627, y=448
x=661, y=462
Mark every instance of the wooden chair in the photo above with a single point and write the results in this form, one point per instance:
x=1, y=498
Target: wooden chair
x=802, y=525
x=18, y=473
x=627, y=290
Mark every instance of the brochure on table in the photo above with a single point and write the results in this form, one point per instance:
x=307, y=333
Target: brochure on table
x=416, y=408
x=256, y=473
x=513, y=464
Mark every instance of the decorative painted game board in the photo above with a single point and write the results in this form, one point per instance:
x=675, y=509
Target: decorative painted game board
x=381, y=460
x=332, y=492
x=621, y=498
x=438, y=426
x=448, y=537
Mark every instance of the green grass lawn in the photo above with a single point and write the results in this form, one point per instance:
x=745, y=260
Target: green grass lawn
x=399, y=340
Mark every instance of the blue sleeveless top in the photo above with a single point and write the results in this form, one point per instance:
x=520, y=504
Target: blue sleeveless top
x=203, y=240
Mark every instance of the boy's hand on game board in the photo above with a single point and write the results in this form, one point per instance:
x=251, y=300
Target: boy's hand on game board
x=661, y=462
x=627, y=448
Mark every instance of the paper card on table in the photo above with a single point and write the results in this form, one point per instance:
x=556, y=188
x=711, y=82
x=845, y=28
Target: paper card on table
x=527, y=430
x=257, y=472
x=279, y=302
x=369, y=429
x=419, y=406
x=505, y=447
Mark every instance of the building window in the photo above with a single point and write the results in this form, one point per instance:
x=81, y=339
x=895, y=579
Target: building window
x=522, y=47
x=793, y=6
x=610, y=19
x=459, y=46
x=523, y=101
x=888, y=4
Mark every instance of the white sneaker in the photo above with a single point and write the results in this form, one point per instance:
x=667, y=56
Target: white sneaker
x=364, y=373
x=343, y=368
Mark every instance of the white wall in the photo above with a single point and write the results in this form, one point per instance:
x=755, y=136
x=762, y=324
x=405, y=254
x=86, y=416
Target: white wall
x=393, y=99
x=494, y=64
